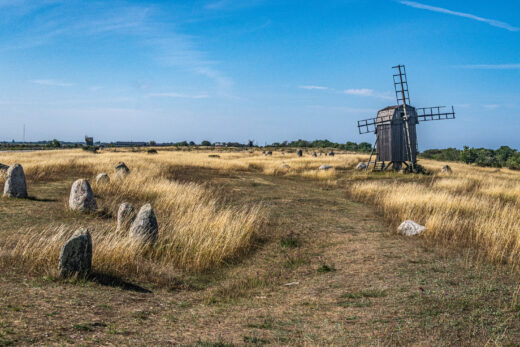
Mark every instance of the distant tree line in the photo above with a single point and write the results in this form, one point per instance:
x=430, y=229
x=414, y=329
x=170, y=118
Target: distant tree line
x=348, y=146
x=502, y=157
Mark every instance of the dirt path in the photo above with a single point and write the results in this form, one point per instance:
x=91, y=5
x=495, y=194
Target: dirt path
x=326, y=272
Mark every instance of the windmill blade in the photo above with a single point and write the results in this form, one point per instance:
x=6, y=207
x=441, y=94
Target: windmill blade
x=401, y=85
x=369, y=125
x=435, y=113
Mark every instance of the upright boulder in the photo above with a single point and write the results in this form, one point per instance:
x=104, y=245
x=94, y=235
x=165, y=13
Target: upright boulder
x=410, y=228
x=121, y=169
x=331, y=153
x=125, y=215
x=145, y=225
x=299, y=153
x=76, y=254
x=446, y=169
x=15, y=186
x=314, y=154
x=102, y=178
x=81, y=197
x=361, y=166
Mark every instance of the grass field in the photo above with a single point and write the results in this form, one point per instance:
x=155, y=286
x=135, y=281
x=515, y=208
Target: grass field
x=257, y=250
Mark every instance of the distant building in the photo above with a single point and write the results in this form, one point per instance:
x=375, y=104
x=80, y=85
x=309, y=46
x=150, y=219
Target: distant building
x=89, y=141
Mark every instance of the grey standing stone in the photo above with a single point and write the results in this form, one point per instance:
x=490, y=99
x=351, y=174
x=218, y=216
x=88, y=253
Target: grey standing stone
x=76, y=254
x=299, y=153
x=446, y=168
x=15, y=186
x=145, y=225
x=410, y=228
x=361, y=166
x=125, y=215
x=81, y=197
x=122, y=169
x=331, y=153
x=102, y=178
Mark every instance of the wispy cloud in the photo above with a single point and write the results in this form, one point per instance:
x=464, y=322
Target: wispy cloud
x=492, y=106
x=367, y=92
x=491, y=66
x=311, y=87
x=52, y=83
x=491, y=22
x=179, y=95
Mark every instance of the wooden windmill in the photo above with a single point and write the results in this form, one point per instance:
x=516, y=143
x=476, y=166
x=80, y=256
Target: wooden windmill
x=394, y=126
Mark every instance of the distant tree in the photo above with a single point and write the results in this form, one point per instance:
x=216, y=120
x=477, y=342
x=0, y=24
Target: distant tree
x=152, y=143
x=250, y=143
x=364, y=147
x=192, y=143
x=205, y=143
x=55, y=143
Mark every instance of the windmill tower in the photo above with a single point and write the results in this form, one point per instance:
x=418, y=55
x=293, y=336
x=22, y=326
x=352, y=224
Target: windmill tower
x=395, y=127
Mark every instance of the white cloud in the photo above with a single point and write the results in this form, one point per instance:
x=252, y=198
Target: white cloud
x=492, y=106
x=368, y=92
x=362, y=92
x=491, y=22
x=179, y=95
x=311, y=87
x=52, y=83
x=492, y=66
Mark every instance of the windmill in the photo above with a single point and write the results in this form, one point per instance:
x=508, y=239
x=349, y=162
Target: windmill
x=394, y=126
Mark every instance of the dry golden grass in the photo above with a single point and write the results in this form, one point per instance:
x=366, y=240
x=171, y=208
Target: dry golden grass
x=472, y=206
x=196, y=230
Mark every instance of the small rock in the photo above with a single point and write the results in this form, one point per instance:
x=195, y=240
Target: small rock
x=102, y=178
x=446, y=168
x=145, y=225
x=122, y=169
x=269, y=153
x=81, y=197
x=331, y=154
x=125, y=215
x=325, y=167
x=76, y=254
x=361, y=166
x=410, y=228
x=299, y=153
x=15, y=186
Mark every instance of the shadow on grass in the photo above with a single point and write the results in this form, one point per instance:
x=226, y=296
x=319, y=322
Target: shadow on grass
x=113, y=281
x=34, y=198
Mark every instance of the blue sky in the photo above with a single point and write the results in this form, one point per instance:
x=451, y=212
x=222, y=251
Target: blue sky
x=226, y=70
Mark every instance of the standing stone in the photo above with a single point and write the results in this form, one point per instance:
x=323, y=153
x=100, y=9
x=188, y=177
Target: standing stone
x=331, y=153
x=125, y=215
x=145, y=225
x=299, y=153
x=446, y=168
x=76, y=254
x=325, y=167
x=102, y=178
x=122, y=169
x=81, y=197
x=410, y=228
x=270, y=153
x=15, y=186
x=314, y=154
x=361, y=166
